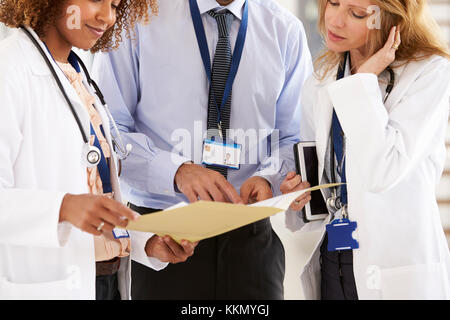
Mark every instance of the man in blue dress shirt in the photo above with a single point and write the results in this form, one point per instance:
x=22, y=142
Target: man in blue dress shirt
x=167, y=107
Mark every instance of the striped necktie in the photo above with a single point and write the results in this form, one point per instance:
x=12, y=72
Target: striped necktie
x=220, y=72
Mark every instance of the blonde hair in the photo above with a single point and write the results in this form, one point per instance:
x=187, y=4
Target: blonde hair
x=421, y=36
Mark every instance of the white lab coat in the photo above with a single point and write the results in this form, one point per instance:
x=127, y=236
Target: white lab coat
x=395, y=158
x=41, y=151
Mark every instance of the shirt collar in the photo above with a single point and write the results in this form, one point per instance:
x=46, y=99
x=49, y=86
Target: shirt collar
x=236, y=7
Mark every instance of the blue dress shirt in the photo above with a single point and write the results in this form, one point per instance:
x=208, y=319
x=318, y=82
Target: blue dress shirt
x=157, y=90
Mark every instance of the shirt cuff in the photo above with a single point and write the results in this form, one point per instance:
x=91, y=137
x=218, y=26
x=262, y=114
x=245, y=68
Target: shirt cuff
x=156, y=264
x=64, y=229
x=274, y=177
x=138, y=254
x=165, y=177
x=342, y=90
x=269, y=178
x=47, y=226
x=174, y=184
x=348, y=95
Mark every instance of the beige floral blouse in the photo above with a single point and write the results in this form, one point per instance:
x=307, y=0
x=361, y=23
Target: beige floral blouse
x=106, y=246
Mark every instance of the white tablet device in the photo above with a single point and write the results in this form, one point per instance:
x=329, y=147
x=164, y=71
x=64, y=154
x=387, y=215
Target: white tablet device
x=307, y=166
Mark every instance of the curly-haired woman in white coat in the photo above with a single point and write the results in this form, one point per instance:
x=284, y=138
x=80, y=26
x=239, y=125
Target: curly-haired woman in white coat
x=57, y=214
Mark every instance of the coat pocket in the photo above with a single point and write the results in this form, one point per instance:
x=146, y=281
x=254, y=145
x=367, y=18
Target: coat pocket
x=52, y=290
x=415, y=282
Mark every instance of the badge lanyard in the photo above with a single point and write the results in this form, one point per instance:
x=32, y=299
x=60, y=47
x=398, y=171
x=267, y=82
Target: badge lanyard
x=340, y=229
x=338, y=147
x=203, y=46
x=103, y=167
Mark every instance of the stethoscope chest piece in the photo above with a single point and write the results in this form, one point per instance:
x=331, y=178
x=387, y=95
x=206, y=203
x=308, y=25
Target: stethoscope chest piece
x=334, y=203
x=331, y=203
x=92, y=155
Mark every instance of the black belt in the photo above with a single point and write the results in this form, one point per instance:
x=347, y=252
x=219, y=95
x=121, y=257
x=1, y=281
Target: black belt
x=107, y=268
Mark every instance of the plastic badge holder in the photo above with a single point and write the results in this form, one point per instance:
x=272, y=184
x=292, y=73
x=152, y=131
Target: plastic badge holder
x=340, y=235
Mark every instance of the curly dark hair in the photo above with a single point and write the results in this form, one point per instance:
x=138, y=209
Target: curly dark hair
x=40, y=14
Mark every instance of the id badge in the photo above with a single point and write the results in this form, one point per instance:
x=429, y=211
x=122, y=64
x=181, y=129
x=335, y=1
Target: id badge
x=120, y=233
x=222, y=154
x=340, y=235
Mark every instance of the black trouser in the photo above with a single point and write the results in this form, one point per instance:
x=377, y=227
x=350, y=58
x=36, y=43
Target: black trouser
x=107, y=287
x=247, y=263
x=338, y=280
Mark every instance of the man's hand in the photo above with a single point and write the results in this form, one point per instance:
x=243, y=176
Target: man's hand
x=166, y=249
x=255, y=189
x=196, y=182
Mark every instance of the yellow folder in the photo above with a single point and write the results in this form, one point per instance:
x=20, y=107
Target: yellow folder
x=205, y=219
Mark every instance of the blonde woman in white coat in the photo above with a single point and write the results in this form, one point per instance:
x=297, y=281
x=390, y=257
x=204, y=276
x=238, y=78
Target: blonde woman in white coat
x=394, y=151
x=51, y=204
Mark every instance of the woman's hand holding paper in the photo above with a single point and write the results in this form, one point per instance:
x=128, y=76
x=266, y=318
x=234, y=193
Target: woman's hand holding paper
x=293, y=182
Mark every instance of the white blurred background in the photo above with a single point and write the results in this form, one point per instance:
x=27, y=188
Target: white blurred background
x=298, y=247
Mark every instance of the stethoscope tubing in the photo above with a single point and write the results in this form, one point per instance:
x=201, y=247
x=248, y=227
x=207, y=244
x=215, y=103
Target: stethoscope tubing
x=389, y=88
x=125, y=151
x=58, y=82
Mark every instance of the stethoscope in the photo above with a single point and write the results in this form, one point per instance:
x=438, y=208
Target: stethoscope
x=92, y=154
x=334, y=202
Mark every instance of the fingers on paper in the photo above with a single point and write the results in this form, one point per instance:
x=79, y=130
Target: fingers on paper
x=203, y=194
x=188, y=247
x=303, y=185
x=173, y=246
x=119, y=209
x=229, y=191
x=179, y=253
x=191, y=195
x=215, y=193
x=245, y=193
x=301, y=201
x=113, y=218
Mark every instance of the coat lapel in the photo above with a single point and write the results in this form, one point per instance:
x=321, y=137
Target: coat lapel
x=323, y=112
x=400, y=87
x=39, y=67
